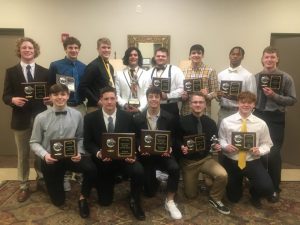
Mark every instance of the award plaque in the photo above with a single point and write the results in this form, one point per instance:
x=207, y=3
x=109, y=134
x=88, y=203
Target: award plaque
x=66, y=80
x=192, y=85
x=244, y=141
x=134, y=102
x=231, y=89
x=273, y=81
x=61, y=148
x=35, y=90
x=118, y=145
x=155, y=142
x=195, y=143
x=163, y=83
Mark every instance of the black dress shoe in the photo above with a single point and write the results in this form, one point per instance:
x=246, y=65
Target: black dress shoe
x=84, y=209
x=273, y=198
x=256, y=203
x=137, y=209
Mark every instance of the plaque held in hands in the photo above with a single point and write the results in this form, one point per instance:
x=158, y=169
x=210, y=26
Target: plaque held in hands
x=62, y=148
x=273, y=81
x=195, y=143
x=118, y=145
x=35, y=90
x=155, y=142
x=192, y=85
x=66, y=80
x=231, y=89
x=244, y=141
x=163, y=83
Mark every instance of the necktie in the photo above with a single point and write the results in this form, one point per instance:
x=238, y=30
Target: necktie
x=61, y=113
x=29, y=75
x=242, y=154
x=199, y=126
x=111, y=80
x=110, y=126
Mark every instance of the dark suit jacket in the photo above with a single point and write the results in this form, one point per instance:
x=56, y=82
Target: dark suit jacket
x=94, y=126
x=165, y=121
x=22, y=116
x=94, y=79
x=188, y=126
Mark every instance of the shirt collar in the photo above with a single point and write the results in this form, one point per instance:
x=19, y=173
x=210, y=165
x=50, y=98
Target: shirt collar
x=150, y=117
x=250, y=118
x=234, y=70
x=105, y=115
x=32, y=65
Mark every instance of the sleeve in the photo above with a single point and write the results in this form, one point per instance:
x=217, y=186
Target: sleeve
x=177, y=78
x=36, y=139
x=288, y=98
x=223, y=135
x=8, y=90
x=264, y=143
x=118, y=84
x=79, y=135
x=52, y=74
x=213, y=85
x=251, y=84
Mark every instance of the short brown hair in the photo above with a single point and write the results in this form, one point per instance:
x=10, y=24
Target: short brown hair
x=270, y=50
x=56, y=88
x=162, y=49
x=71, y=41
x=107, y=89
x=200, y=94
x=20, y=41
x=246, y=96
x=103, y=40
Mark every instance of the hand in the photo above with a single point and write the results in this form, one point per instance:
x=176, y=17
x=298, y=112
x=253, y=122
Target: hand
x=130, y=160
x=47, y=101
x=204, y=91
x=217, y=147
x=220, y=94
x=164, y=96
x=49, y=159
x=255, y=151
x=231, y=148
x=132, y=109
x=268, y=92
x=167, y=154
x=184, y=149
x=76, y=158
x=99, y=156
x=184, y=96
x=19, y=101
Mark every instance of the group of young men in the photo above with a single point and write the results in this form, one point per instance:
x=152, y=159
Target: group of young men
x=99, y=100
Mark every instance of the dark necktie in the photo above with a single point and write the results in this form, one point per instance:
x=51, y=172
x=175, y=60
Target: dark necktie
x=29, y=75
x=199, y=126
x=110, y=126
x=61, y=113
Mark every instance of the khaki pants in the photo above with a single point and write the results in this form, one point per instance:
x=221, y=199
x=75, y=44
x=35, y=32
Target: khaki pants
x=208, y=166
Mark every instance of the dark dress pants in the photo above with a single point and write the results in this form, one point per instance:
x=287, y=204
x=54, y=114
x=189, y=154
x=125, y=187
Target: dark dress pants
x=260, y=182
x=166, y=164
x=272, y=162
x=106, y=179
x=54, y=177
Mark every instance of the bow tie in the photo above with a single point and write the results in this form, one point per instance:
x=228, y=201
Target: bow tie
x=160, y=68
x=61, y=113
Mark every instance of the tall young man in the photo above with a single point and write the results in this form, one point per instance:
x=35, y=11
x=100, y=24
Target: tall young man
x=271, y=106
x=62, y=122
x=234, y=73
x=155, y=118
x=242, y=162
x=195, y=162
x=23, y=109
x=131, y=82
x=98, y=74
x=109, y=119
x=208, y=76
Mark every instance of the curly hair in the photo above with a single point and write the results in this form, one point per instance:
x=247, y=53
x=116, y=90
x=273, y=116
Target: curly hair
x=127, y=55
x=20, y=41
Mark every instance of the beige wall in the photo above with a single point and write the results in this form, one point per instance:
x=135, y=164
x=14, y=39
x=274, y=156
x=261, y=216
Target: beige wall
x=216, y=24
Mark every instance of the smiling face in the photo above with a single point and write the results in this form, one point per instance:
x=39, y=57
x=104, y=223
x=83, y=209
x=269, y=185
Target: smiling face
x=104, y=50
x=27, y=52
x=72, y=51
x=153, y=101
x=161, y=58
x=133, y=59
x=196, y=56
x=245, y=107
x=59, y=99
x=109, y=102
x=270, y=61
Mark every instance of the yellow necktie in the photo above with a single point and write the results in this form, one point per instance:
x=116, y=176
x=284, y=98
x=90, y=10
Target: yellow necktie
x=111, y=80
x=242, y=154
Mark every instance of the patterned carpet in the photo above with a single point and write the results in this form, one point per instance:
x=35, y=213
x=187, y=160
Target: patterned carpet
x=39, y=211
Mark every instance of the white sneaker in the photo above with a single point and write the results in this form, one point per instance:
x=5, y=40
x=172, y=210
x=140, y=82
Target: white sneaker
x=67, y=184
x=173, y=210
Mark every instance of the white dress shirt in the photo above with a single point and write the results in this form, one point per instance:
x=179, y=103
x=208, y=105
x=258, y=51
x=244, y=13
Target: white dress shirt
x=24, y=69
x=233, y=123
x=177, y=78
x=123, y=84
x=237, y=74
x=105, y=117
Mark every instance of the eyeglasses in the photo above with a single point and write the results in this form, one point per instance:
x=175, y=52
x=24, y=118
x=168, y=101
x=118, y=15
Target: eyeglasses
x=198, y=102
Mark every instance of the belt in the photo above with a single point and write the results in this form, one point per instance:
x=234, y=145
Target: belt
x=73, y=104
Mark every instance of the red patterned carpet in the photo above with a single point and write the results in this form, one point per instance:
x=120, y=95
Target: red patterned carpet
x=39, y=211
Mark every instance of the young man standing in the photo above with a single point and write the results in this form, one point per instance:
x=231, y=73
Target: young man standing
x=23, y=109
x=241, y=162
x=193, y=163
x=131, y=82
x=155, y=118
x=164, y=70
x=208, y=76
x=234, y=73
x=98, y=74
x=271, y=106
x=109, y=119
x=62, y=122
